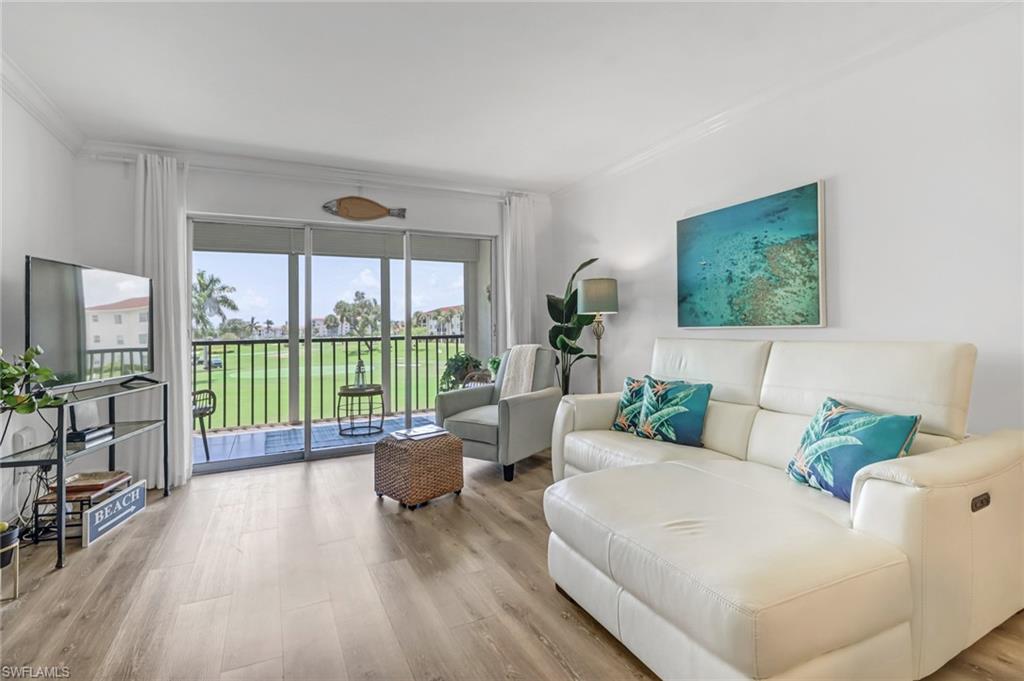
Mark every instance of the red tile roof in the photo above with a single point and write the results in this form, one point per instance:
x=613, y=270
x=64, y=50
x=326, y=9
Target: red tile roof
x=126, y=304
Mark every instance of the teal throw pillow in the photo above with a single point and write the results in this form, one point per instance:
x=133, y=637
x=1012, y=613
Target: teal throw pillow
x=840, y=440
x=674, y=411
x=630, y=404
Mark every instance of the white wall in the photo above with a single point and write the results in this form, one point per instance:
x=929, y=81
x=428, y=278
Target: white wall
x=104, y=212
x=37, y=214
x=921, y=156
x=300, y=199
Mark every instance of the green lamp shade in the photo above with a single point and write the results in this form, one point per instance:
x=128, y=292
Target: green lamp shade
x=598, y=296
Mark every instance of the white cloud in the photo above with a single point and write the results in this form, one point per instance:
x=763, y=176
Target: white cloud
x=252, y=301
x=367, y=280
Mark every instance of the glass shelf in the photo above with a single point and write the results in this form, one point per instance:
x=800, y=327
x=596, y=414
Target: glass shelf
x=46, y=454
x=102, y=392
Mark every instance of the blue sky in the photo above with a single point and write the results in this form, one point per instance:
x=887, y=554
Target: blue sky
x=261, y=282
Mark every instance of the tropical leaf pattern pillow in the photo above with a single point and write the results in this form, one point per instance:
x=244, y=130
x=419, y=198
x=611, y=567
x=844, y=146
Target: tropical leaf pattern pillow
x=674, y=411
x=630, y=404
x=840, y=440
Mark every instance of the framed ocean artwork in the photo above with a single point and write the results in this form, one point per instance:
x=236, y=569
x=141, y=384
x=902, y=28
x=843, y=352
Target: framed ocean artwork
x=754, y=264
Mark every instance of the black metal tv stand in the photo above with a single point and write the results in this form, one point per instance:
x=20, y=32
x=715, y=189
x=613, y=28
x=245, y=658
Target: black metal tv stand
x=59, y=452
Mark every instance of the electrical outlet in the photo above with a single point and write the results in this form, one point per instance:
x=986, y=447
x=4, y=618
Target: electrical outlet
x=24, y=439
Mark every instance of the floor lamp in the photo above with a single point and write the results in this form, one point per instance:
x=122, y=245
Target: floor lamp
x=598, y=297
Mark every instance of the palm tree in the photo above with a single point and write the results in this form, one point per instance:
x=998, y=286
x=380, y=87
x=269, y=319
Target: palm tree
x=210, y=298
x=444, y=321
x=332, y=323
x=269, y=325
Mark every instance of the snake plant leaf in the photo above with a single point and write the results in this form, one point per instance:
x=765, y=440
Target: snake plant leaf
x=556, y=309
x=554, y=333
x=572, y=279
x=568, y=346
x=571, y=304
x=571, y=333
x=583, y=320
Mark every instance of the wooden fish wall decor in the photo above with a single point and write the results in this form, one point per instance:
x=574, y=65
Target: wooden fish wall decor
x=360, y=208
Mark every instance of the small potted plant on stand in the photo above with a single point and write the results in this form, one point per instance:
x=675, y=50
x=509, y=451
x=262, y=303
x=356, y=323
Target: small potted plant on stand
x=23, y=386
x=22, y=391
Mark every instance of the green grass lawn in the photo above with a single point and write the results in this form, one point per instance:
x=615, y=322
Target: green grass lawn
x=252, y=384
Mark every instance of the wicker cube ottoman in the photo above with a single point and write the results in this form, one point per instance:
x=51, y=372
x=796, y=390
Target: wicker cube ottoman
x=413, y=472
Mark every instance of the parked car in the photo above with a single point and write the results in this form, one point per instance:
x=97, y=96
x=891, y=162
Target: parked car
x=216, y=362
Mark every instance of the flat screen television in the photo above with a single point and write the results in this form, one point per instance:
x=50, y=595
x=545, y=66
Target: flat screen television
x=93, y=325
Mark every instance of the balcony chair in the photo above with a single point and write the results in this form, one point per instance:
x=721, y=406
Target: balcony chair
x=477, y=378
x=503, y=430
x=204, y=404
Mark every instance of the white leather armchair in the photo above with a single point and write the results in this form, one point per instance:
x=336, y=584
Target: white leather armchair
x=503, y=430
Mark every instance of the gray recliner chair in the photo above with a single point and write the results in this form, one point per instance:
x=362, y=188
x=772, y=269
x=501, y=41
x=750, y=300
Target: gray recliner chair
x=506, y=430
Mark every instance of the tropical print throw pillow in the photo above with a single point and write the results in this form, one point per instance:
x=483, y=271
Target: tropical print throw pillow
x=840, y=440
x=630, y=403
x=674, y=411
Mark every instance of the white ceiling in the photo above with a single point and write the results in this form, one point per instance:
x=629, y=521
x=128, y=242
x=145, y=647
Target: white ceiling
x=522, y=96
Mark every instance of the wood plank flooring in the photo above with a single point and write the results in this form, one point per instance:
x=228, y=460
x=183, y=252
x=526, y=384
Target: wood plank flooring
x=299, y=572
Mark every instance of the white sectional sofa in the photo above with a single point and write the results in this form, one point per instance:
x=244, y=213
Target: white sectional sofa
x=711, y=563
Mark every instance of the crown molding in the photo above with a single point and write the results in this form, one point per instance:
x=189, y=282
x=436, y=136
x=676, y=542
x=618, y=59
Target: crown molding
x=726, y=118
x=24, y=90
x=204, y=161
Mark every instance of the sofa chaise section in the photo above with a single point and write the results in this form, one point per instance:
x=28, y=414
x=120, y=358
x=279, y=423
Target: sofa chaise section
x=761, y=584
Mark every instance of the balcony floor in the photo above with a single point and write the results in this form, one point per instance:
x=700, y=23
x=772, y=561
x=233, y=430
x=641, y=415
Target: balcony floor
x=255, y=442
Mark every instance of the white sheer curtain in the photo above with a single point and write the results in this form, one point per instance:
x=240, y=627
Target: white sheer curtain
x=520, y=268
x=162, y=253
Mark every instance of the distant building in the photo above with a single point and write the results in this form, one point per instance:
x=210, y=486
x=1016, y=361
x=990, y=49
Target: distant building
x=320, y=328
x=122, y=324
x=445, y=321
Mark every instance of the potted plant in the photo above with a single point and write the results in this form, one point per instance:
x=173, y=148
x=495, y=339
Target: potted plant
x=8, y=538
x=563, y=336
x=23, y=386
x=458, y=366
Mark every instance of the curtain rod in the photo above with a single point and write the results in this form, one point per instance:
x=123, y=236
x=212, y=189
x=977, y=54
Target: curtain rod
x=285, y=223
x=377, y=184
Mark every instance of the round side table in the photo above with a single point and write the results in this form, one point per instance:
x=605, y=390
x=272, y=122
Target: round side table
x=350, y=409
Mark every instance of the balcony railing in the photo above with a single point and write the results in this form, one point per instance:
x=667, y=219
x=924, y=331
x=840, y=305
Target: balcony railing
x=257, y=383
x=104, y=363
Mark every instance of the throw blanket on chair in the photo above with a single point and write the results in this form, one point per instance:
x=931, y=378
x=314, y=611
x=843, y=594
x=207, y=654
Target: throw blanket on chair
x=519, y=365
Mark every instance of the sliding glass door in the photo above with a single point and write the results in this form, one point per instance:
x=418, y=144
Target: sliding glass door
x=317, y=341
x=247, y=372
x=350, y=312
